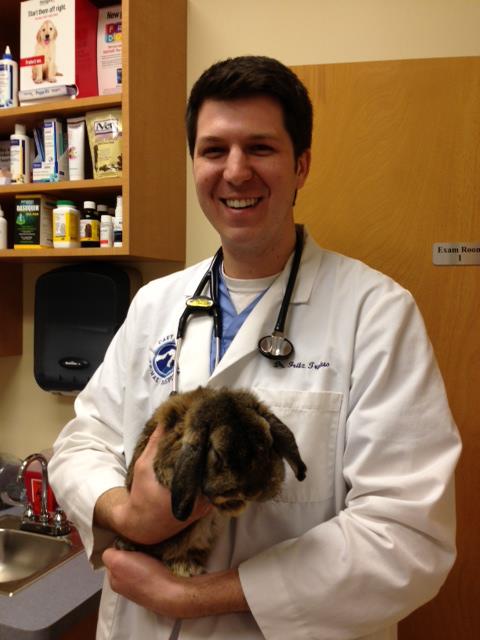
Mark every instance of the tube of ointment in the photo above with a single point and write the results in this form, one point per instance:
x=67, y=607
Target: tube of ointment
x=76, y=147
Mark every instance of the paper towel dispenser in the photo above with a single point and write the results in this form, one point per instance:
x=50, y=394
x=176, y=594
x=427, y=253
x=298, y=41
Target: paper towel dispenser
x=78, y=309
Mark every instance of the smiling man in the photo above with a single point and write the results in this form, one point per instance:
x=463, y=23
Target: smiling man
x=246, y=175
x=369, y=535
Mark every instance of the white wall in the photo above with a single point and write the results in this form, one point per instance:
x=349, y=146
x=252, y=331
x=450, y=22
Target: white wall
x=297, y=32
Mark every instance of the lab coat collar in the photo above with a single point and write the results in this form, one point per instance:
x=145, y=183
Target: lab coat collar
x=194, y=362
x=263, y=317
x=307, y=274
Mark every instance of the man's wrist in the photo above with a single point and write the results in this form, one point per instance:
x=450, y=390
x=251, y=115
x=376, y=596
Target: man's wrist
x=213, y=594
x=114, y=511
x=110, y=511
x=147, y=581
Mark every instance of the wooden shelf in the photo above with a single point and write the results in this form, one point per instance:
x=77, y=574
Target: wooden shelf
x=66, y=187
x=35, y=113
x=62, y=255
x=153, y=184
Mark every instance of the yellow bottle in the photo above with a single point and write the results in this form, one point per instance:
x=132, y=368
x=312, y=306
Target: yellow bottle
x=66, y=225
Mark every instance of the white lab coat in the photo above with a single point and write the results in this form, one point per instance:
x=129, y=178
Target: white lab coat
x=369, y=535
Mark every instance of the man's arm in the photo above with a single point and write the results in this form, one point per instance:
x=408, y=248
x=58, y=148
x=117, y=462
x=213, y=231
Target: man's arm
x=144, y=514
x=150, y=584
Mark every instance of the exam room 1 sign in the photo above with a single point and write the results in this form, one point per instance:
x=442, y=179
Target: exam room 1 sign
x=456, y=254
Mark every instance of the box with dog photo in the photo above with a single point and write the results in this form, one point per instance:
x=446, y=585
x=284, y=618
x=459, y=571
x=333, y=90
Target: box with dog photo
x=58, y=45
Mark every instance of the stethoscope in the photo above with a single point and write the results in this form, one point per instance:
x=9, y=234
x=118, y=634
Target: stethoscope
x=275, y=346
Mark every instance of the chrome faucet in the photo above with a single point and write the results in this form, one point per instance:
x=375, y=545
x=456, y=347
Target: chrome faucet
x=50, y=524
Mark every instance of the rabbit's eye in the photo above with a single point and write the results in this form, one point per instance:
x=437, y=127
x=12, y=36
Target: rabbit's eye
x=217, y=459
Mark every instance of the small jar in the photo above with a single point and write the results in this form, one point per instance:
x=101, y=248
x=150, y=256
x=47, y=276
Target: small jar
x=66, y=225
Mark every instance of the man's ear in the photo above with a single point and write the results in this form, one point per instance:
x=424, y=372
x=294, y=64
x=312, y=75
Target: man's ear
x=303, y=167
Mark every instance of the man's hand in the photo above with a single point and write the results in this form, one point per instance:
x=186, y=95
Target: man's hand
x=147, y=582
x=144, y=514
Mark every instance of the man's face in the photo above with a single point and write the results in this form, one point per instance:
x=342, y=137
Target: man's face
x=246, y=177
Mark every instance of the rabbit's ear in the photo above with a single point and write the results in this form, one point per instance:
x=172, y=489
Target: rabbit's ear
x=187, y=477
x=285, y=444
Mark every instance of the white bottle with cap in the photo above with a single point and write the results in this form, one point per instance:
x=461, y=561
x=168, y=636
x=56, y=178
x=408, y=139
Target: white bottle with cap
x=20, y=155
x=8, y=81
x=3, y=230
x=102, y=210
x=106, y=231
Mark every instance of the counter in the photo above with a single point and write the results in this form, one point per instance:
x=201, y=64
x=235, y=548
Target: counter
x=47, y=608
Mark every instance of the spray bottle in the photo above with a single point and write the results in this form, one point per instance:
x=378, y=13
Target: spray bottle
x=8, y=81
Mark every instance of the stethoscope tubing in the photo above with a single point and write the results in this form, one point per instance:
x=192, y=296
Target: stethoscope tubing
x=275, y=347
x=292, y=278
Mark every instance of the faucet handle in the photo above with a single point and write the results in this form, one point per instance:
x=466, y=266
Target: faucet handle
x=29, y=513
x=60, y=522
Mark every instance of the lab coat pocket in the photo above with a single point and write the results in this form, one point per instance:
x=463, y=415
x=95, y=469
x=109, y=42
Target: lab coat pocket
x=313, y=417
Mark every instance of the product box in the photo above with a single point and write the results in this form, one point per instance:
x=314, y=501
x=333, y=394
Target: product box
x=51, y=161
x=58, y=43
x=33, y=222
x=109, y=50
x=43, y=94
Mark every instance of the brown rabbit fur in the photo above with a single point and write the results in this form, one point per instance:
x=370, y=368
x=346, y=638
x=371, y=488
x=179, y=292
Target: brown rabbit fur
x=225, y=444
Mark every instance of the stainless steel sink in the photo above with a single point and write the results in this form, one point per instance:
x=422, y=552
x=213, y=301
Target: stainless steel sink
x=26, y=557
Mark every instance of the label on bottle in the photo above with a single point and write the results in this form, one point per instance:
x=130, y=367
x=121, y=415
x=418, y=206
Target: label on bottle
x=89, y=231
x=18, y=161
x=65, y=225
x=106, y=233
x=7, y=90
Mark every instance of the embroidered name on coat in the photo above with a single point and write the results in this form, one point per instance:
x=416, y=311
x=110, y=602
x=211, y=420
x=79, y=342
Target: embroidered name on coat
x=308, y=365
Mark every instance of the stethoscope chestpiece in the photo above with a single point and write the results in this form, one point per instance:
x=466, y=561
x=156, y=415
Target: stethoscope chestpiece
x=275, y=346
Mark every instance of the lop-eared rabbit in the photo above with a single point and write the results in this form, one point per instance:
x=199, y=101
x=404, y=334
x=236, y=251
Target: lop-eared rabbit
x=225, y=444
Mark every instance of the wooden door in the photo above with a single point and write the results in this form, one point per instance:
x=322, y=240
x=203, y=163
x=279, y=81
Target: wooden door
x=396, y=168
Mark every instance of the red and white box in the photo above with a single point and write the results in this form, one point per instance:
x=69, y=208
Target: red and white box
x=33, y=486
x=58, y=45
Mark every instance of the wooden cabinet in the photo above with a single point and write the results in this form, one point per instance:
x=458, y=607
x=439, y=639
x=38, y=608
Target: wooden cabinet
x=153, y=179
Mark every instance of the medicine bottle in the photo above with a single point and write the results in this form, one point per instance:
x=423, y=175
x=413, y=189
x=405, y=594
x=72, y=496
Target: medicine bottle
x=102, y=209
x=106, y=231
x=89, y=226
x=20, y=165
x=8, y=81
x=66, y=225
